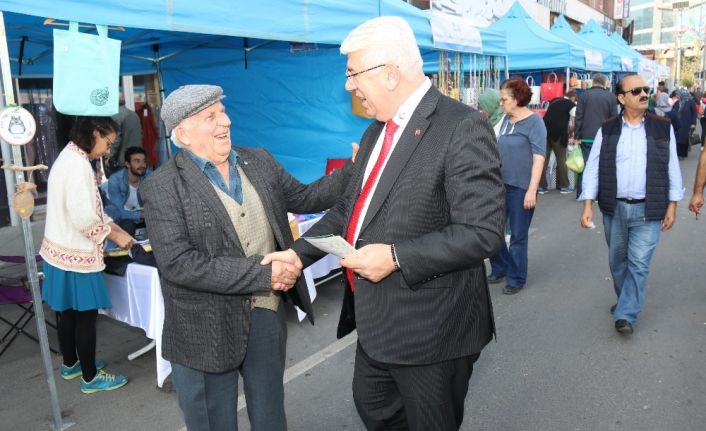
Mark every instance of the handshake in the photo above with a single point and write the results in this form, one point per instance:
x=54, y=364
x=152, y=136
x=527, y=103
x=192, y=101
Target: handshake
x=286, y=269
x=373, y=262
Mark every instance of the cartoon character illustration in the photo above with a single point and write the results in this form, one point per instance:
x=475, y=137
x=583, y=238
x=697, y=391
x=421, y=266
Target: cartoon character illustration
x=16, y=126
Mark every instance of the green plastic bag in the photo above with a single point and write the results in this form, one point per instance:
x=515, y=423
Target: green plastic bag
x=575, y=160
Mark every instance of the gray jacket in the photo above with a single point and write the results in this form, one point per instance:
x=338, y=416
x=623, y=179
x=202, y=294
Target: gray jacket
x=206, y=278
x=595, y=105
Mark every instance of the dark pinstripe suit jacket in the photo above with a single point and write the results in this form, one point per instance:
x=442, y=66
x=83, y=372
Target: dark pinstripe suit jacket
x=441, y=201
x=206, y=278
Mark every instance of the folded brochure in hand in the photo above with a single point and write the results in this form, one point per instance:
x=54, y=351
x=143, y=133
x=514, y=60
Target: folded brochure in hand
x=333, y=244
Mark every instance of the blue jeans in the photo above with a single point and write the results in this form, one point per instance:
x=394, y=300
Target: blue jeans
x=209, y=400
x=512, y=263
x=631, y=241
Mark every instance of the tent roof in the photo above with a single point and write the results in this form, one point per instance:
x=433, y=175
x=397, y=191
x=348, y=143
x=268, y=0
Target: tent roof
x=188, y=25
x=596, y=35
x=562, y=29
x=532, y=47
x=319, y=21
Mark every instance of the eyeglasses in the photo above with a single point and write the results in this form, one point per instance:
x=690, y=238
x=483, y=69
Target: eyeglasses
x=110, y=142
x=353, y=75
x=638, y=90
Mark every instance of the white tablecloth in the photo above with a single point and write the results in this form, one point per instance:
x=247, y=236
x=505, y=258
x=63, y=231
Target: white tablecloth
x=137, y=301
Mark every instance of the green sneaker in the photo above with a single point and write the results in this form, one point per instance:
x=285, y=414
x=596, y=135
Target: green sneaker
x=70, y=373
x=103, y=382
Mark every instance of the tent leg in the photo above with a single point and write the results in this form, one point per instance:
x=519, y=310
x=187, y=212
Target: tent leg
x=29, y=241
x=8, y=99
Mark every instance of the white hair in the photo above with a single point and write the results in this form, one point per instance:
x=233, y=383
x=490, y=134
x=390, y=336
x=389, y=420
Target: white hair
x=385, y=40
x=184, y=124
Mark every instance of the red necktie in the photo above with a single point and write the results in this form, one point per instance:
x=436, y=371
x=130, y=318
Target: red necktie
x=390, y=129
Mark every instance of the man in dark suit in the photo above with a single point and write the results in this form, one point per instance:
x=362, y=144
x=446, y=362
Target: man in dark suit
x=213, y=211
x=423, y=217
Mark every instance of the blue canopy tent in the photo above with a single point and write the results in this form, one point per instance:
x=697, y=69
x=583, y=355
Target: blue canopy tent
x=563, y=30
x=287, y=97
x=531, y=47
x=648, y=69
x=596, y=36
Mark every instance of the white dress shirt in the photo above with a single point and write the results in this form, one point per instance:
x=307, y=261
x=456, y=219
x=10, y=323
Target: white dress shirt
x=401, y=118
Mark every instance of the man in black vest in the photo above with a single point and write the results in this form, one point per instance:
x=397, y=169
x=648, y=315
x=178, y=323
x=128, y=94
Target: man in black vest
x=633, y=170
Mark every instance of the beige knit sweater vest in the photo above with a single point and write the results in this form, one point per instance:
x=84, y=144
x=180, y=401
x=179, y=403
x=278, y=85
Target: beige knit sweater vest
x=254, y=232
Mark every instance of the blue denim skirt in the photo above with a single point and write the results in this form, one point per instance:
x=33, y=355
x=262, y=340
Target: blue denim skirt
x=64, y=290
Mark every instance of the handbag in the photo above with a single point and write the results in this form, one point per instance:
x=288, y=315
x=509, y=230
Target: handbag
x=575, y=160
x=574, y=80
x=552, y=88
x=694, y=138
x=86, y=72
x=536, y=90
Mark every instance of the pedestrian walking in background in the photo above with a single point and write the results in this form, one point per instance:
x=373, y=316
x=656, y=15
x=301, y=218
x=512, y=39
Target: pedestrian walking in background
x=557, y=122
x=522, y=144
x=594, y=106
x=634, y=173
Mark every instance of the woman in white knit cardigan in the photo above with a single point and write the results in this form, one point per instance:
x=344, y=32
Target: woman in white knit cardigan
x=74, y=232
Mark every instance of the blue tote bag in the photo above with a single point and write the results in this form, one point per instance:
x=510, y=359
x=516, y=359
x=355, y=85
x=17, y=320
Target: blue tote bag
x=86, y=72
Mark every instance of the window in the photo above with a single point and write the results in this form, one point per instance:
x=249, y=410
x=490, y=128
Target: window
x=666, y=37
x=668, y=18
x=642, y=39
x=642, y=19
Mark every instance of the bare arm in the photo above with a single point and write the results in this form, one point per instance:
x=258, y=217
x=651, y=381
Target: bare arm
x=697, y=198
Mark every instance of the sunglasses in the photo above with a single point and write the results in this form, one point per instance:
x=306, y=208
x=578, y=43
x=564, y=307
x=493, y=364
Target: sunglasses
x=638, y=90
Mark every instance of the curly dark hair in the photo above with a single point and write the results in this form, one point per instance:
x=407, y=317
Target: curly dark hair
x=519, y=89
x=81, y=133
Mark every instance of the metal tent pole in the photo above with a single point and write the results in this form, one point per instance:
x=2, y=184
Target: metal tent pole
x=29, y=242
x=9, y=97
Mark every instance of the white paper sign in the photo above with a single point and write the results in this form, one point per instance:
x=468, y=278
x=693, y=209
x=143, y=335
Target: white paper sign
x=625, y=63
x=455, y=34
x=594, y=60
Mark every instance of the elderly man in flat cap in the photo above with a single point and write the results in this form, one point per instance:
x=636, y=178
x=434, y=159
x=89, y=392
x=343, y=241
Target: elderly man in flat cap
x=213, y=211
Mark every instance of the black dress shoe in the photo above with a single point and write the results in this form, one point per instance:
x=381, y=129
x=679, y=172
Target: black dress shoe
x=494, y=279
x=623, y=326
x=612, y=308
x=511, y=290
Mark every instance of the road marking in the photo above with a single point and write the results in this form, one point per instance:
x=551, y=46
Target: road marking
x=307, y=364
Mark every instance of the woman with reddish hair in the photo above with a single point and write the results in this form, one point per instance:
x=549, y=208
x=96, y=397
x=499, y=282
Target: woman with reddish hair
x=522, y=144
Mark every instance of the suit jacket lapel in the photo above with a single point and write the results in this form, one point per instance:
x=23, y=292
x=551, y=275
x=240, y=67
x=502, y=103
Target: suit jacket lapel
x=407, y=143
x=198, y=181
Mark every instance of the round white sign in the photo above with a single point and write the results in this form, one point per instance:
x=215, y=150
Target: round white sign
x=17, y=125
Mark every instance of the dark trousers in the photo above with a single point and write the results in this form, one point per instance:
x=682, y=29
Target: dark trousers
x=562, y=172
x=683, y=148
x=411, y=397
x=586, y=145
x=77, y=340
x=209, y=400
x=511, y=261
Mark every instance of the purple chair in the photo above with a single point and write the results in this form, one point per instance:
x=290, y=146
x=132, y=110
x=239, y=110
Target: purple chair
x=15, y=289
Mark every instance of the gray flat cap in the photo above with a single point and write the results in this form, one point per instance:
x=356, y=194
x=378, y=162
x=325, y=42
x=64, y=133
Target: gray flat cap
x=188, y=100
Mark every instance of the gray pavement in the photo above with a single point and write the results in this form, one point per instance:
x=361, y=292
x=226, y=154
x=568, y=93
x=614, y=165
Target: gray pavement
x=557, y=363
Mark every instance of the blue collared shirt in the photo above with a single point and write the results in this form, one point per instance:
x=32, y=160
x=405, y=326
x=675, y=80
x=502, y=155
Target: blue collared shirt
x=209, y=169
x=631, y=165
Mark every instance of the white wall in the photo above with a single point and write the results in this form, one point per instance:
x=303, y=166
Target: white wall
x=581, y=12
